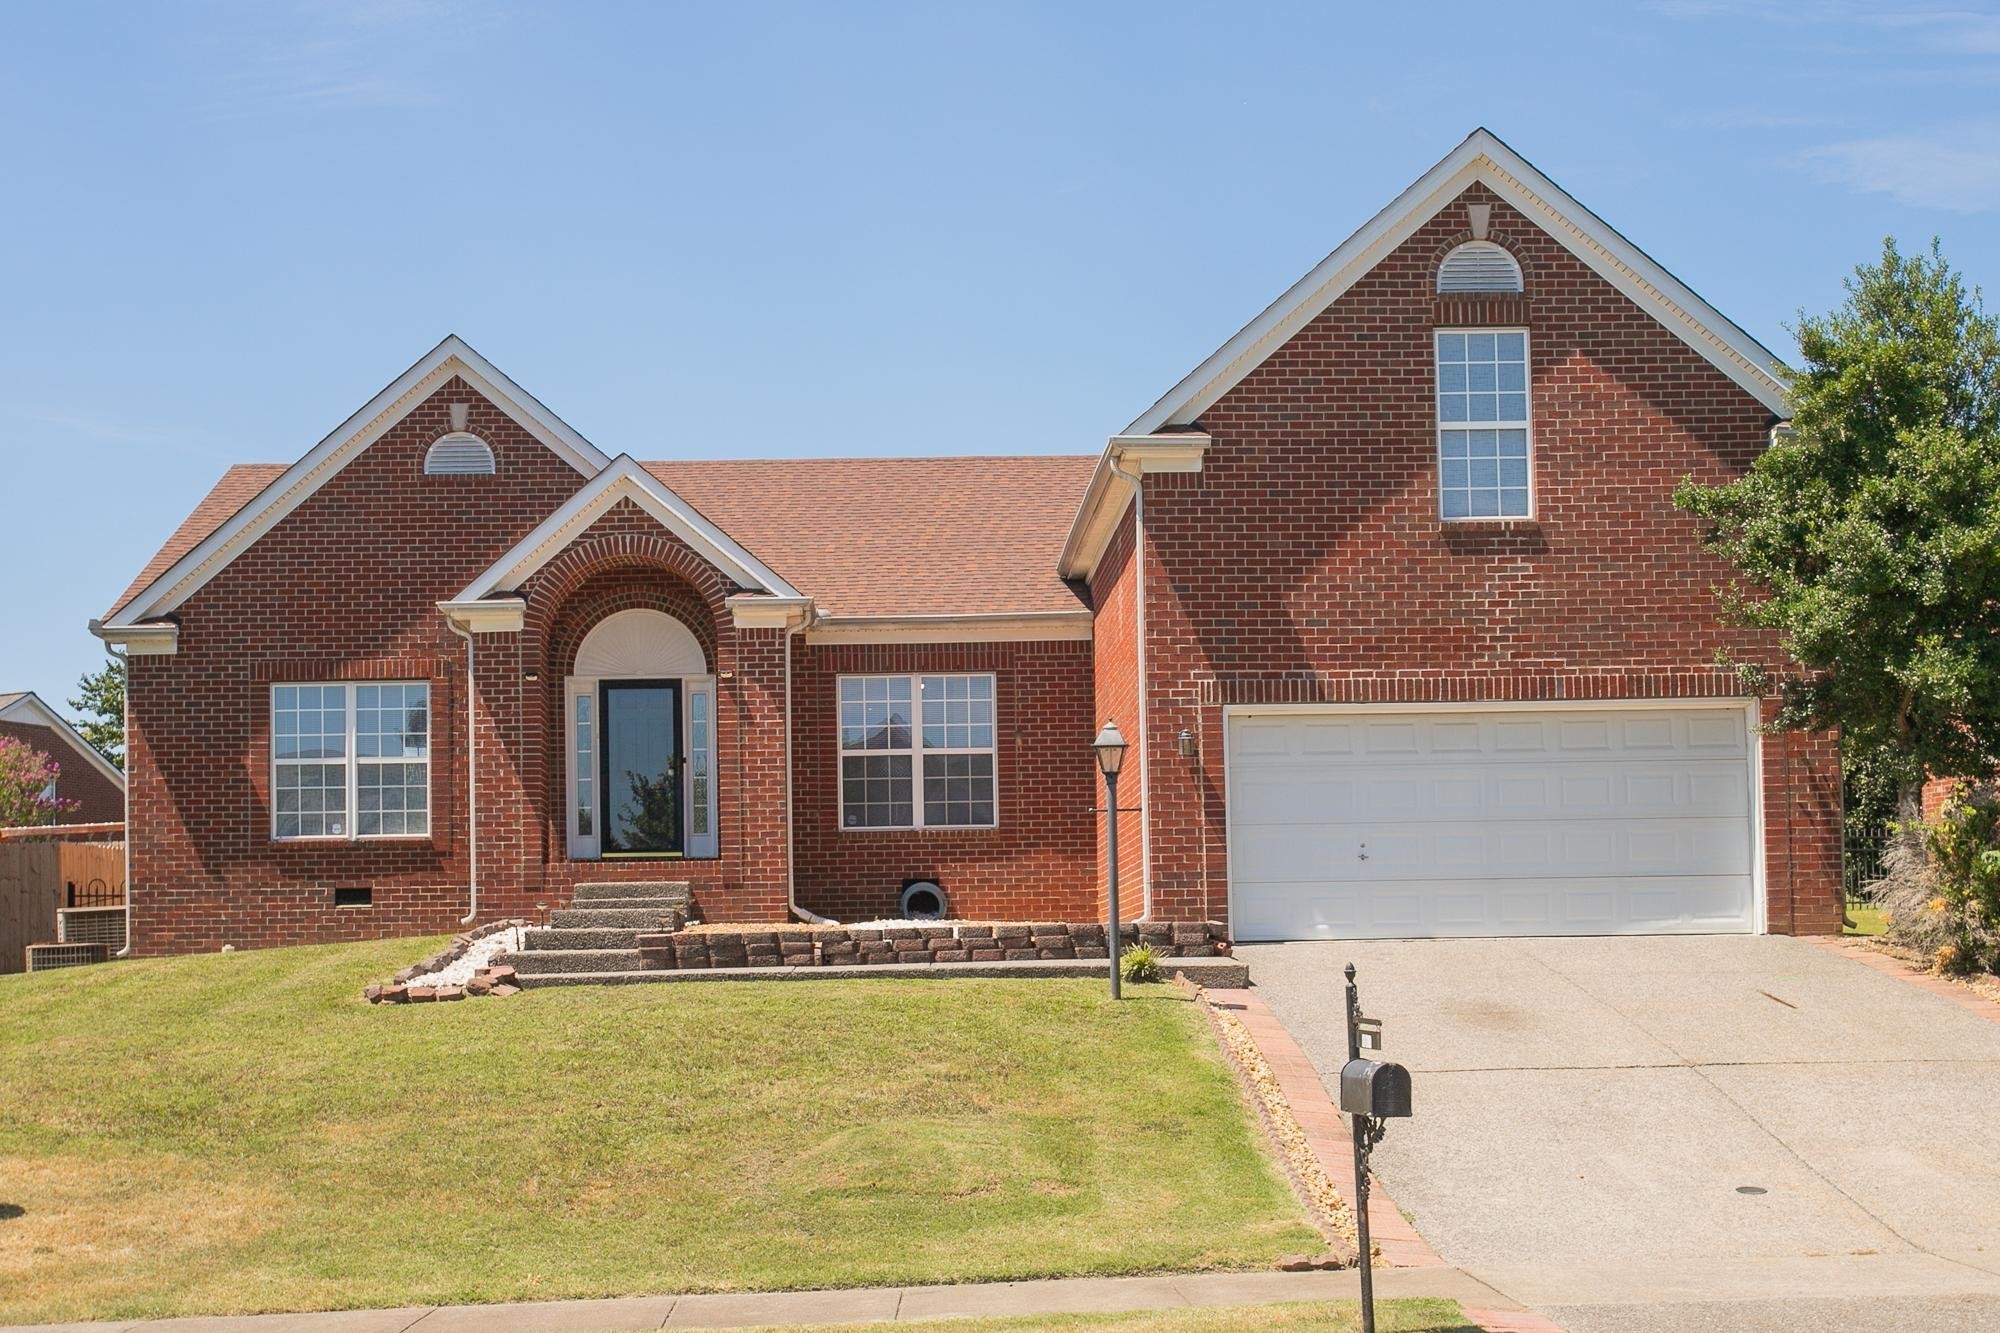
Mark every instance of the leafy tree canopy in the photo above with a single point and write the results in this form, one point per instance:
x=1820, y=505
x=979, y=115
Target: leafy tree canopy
x=26, y=775
x=101, y=703
x=1869, y=535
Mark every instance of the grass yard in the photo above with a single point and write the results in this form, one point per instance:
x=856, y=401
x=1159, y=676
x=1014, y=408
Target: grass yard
x=1867, y=920
x=238, y=1132
x=1319, y=1316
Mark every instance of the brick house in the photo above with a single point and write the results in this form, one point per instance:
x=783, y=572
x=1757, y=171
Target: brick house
x=1389, y=595
x=83, y=775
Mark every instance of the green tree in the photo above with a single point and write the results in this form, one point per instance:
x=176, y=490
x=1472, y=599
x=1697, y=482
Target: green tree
x=101, y=702
x=26, y=777
x=1868, y=535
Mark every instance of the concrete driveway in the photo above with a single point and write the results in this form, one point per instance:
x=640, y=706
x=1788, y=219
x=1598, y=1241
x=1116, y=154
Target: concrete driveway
x=1729, y=1132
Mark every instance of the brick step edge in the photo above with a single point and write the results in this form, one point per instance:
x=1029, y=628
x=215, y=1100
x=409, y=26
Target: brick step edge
x=1038, y=941
x=1227, y=973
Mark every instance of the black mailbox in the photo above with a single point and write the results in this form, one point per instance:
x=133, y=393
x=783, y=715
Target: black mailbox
x=1374, y=1087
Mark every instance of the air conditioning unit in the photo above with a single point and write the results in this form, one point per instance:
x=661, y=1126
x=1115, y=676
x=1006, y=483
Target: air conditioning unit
x=92, y=925
x=49, y=957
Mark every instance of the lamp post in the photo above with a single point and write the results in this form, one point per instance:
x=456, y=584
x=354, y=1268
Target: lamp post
x=1110, y=747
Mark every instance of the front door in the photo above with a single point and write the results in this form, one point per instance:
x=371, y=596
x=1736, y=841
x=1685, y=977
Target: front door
x=639, y=768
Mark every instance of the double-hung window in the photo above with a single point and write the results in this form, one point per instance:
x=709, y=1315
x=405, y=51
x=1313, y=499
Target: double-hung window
x=917, y=752
x=350, y=760
x=1482, y=396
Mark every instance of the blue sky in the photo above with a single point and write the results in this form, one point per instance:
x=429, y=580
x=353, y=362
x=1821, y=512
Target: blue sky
x=766, y=230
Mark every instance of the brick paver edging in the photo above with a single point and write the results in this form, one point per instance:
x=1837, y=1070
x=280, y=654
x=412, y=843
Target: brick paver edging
x=1325, y=1128
x=1943, y=987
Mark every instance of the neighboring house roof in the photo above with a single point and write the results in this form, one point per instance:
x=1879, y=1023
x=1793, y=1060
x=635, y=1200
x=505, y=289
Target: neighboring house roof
x=1484, y=158
x=25, y=708
x=187, y=572
x=899, y=537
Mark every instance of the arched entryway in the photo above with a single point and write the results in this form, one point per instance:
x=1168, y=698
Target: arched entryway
x=639, y=705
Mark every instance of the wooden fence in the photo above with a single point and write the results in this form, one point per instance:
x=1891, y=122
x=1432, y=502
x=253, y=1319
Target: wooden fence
x=37, y=878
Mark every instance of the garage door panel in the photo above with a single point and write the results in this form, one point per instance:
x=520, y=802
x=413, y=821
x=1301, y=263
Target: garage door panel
x=1599, y=821
x=1297, y=792
x=1474, y=909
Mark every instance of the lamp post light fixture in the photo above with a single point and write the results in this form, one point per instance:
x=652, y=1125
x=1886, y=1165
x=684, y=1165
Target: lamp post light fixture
x=1110, y=747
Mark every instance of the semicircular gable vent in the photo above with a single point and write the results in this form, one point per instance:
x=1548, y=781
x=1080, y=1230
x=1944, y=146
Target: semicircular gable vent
x=459, y=455
x=1479, y=266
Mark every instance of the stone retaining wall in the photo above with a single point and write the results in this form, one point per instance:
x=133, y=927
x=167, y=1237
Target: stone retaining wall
x=848, y=946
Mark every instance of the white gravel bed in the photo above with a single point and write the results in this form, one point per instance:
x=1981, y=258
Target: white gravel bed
x=480, y=954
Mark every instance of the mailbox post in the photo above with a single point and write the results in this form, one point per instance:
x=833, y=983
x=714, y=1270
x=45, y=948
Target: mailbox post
x=1371, y=1091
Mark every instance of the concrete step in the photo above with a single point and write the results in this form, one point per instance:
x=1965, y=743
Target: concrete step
x=624, y=918
x=634, y=888
x=1227, y=973
x=540, y=962
x=605, y=937
x=603, y=904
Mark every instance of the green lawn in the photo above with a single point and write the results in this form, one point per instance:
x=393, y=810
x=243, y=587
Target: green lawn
x=238, y=1132
x=1320, y=1316
x=1867, y=920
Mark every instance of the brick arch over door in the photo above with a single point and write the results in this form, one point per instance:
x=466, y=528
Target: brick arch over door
x=625, y=562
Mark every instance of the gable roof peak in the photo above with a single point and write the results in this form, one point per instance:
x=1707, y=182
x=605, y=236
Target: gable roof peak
x=1481, y=157
x=453, y=357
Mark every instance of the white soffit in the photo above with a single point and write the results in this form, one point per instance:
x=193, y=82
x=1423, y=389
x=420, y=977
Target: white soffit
x=1484, y=158
x=625, y=479
x=347, y=440
x=29, y=710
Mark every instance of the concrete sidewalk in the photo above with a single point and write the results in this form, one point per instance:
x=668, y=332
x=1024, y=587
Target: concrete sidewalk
x=862, y=1305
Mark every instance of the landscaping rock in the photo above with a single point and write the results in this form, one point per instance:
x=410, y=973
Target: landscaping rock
x=422, y=992
x=450, y=992
x=505, y=989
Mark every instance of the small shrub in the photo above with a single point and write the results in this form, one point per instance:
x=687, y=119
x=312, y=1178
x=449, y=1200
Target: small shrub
x=1141, y=962
x=1941, y=883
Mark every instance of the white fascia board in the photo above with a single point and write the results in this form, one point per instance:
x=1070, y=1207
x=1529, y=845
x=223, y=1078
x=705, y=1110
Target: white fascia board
x=346, y=442
x=1482, y=157
x=159, y=639
x=1108, y=495
x=624, y=479
x=1025, y=627
x=756, y=610
x=499, y=615
x=30, y=710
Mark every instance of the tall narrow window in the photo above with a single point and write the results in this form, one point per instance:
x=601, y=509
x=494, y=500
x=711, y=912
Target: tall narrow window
x=899, y=731
x=350, y=761
x=586, y=768
x=1483, y=447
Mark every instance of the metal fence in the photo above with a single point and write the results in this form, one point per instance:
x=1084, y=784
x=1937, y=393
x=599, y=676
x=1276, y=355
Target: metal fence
x=1862, y=849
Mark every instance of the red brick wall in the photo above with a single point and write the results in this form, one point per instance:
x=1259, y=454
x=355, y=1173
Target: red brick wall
x=99, y=801
x=343, y=588
x=1306, y=560
x=1039, y=864
x=1114, y=598
x=625, y=560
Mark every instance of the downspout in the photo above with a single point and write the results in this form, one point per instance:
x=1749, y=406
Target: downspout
x=125, y=658
x=791, y=824
x=1145, y=758
x=471, y=779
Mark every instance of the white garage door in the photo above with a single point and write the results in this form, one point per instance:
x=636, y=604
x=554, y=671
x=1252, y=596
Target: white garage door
x=1518, y=822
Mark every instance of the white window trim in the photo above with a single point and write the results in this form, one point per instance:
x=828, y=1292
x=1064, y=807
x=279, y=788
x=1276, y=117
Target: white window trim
x=917, y=751
x=1527, y=423
x=352, y=763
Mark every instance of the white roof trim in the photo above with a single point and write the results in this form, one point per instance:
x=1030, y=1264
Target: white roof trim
x=1109, y=494
x=31, y=711
x=347, y=440
x=1482, y=157
x=625, y=479
x=160, y=638
x=498, y=615
x=999, y=627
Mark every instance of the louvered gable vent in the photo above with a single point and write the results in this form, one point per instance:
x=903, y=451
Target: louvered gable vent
x=459, y=455
x=1479, y=266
